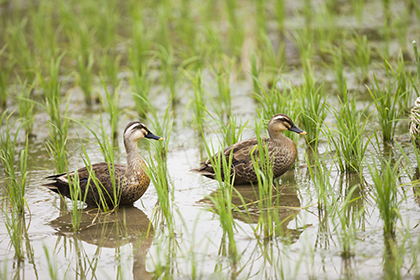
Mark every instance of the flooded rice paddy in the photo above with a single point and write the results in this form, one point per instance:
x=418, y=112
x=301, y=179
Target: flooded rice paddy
x=326, y=218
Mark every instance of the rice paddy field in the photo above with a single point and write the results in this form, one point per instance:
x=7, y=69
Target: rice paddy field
x=204, y=75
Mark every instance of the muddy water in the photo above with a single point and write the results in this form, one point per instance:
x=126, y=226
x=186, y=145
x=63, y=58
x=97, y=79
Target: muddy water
x=133, y=242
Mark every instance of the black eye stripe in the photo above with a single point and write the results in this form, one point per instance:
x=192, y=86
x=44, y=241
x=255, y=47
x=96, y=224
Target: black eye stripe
x=135, y=125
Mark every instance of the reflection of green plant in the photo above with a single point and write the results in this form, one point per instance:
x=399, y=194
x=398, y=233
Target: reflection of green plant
x=223, y=201
x=384, y=177
x=343, y=221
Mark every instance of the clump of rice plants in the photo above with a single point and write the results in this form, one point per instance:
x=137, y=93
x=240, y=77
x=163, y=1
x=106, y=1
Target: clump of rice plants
x=110, y=104
x=58, y=124
x=236, y=30
x=360, y=59
x=386, y=103
x=222, y=75
x=26, y=105
x=197, y=102
x=4, y=77
x=168, y=75
x=313, y=105
x=140, y=80
x=350, y=141
x=273, y=101
x=15, y=179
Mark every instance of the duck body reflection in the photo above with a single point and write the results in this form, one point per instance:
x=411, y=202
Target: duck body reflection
x=112, y=230
x=281, y=205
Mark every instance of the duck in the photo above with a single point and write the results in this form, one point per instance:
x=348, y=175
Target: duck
x=131, y=180
x=414, y=126
x=282, y=151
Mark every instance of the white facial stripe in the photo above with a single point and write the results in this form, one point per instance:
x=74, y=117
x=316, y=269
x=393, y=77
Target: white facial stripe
x=131, y=128
x=280, y=118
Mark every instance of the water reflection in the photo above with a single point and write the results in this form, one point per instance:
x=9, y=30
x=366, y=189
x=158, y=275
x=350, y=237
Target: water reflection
x=110, y=230
x=250, y=207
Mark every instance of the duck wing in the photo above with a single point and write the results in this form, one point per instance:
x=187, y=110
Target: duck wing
x=241, y=154
x=61, y=183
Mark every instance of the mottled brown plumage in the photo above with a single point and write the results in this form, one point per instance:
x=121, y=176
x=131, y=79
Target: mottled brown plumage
x=131, y=181
x=282, y=152
x=414, y=125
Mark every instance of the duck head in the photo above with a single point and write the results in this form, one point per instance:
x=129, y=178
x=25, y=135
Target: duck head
x=282, y=122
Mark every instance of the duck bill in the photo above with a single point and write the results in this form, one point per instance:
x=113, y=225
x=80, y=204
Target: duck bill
x=154, y=137
x=297, y=130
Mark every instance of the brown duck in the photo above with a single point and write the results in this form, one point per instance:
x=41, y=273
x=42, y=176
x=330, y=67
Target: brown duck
x=282, y=152
x=131, y=181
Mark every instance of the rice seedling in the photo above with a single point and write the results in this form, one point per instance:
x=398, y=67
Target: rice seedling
x=163, y=126
x=140, y=82
x=350, y=141
x=44, y=32
x=231, y=130
x=313, y=106
x=222, y=75
x=26, y=105
x=338, y=68
x=384, y=180
x=325, y=27
x=360, y=59
x=387, y=30
x=15, y=179
x=272, y=61
x=15, y=223
x=358, y=7
x=269, y=220
x=273, y=101
x=304, y=39
x=110, y=104
x=334, y=211
x=21, y=51
x=111, y=68
x=107, y=147
x=402, y=89
x=255, y=73
x=168, y=75
x=187, y=29
x=84, y=67
x=76, y=196
x=197, y=102
x=105, y=23
x=400, y=25
x=223, y=200
x=260, y=15
x=7, y=67
x=52, y=265
x=280, y=13
x=236, y=30
x=417, y=59
x=386, y=104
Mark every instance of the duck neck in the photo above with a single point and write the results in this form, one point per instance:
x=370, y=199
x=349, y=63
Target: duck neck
x=132, y=153
x=277, y=136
